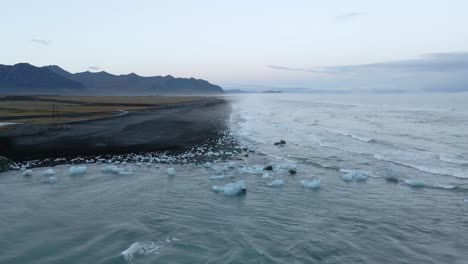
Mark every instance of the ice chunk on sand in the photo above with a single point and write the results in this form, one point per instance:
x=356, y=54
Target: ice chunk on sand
x=48, y=172
x=77, y=170
x=354, y=176
x=112, y=169
x=416, y=183
x=276, y=183
x=27, y=173
x=52, y=179
x=171, y=172
x=231, y=188
x=314, y=184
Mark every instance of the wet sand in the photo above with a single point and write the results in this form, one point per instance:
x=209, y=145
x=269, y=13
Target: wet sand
x=162, y=128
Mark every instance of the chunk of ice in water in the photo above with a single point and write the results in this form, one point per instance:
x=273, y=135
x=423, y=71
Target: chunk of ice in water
x=416, y=183
x=48, y=172
x=27, y=173
x=231, y=188
x=52, y=179
x=266, y=176
x=276, y=183
x=77, y=170
x=112, y=169
x=354, y=176
x=314, y=184
x=171, y=172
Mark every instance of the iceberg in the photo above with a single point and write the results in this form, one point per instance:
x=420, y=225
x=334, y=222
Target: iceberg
x=276, y=183
x=416, y=183
x=314, y=184
x=112, y=169
x=354, y=176
x=27, y=173
x=266, y=176
x=52, y=179
x=77, y=170
x=48, y=172
x=231, y=189
x=171, y=172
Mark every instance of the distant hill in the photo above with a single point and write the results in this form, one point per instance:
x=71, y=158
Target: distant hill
x=103, y=83
x=24, y=78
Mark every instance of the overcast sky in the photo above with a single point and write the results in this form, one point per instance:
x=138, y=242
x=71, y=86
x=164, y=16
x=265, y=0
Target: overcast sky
x=331, y=45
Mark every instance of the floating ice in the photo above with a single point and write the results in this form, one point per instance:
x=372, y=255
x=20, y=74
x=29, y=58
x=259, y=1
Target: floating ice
x=416, y=183
x=266, y=176
x=171, y=172
x=112, y=169
x=276, y=183
x=354, y=176
x=48, y=172
x=208, y=165
x=52, y=179
x=231, y=188
x=27, y=173
x=77, y=170
x=251, y=148
x=126, y=172
x=314, y=184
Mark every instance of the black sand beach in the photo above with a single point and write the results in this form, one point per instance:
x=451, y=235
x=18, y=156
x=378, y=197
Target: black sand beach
x=173, y=127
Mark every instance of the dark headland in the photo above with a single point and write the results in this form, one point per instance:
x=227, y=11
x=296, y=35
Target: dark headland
x=48, y=112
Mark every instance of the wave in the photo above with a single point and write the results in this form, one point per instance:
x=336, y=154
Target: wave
x=145, y=248
x=463, y=174
x=452, y=159
x=347, y=133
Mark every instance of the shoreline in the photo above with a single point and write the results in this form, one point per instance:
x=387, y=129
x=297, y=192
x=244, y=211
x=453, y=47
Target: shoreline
x=172, y=127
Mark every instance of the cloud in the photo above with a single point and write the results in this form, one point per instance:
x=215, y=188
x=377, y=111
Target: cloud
x=350, y=16
x=276, y=67
x=94, y=68
x=433, y=62
x=434, y=72
x=41, y=42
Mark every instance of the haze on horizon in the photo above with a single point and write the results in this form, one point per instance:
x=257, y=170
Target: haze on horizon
x=396, y=46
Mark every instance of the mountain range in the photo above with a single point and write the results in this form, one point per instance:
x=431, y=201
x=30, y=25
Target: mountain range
x=24, y=78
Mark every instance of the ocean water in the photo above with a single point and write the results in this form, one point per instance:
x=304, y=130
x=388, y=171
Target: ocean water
x=393, y=188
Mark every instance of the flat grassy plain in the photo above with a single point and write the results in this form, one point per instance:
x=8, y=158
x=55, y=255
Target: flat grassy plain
x=60, y=109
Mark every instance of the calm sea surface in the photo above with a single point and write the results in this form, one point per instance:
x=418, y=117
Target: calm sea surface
x=407, y=202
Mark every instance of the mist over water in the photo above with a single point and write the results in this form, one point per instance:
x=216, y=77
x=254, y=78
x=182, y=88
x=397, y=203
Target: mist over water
x=398, y=142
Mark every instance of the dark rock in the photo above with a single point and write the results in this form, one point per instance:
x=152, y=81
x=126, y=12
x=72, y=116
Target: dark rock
x=280, y=143
x=292, y=171
x=4, y=164
x=268, y=168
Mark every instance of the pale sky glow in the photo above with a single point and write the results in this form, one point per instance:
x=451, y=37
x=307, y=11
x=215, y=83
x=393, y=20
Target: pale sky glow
x=230, y=43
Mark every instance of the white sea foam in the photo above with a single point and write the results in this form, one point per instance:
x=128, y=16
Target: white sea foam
x=141, y=248
x=217, y=177
x=349, y=134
